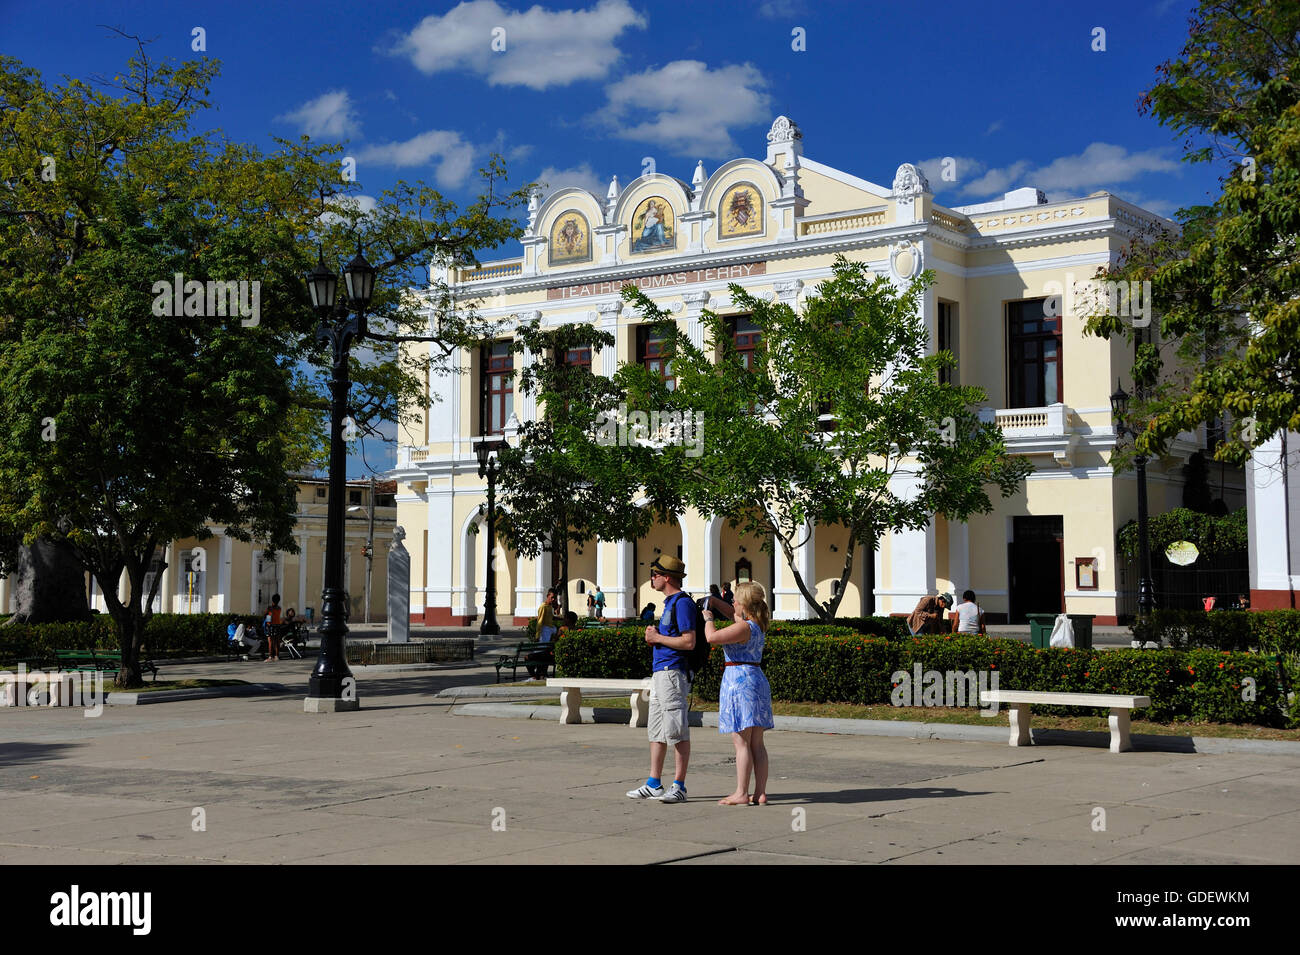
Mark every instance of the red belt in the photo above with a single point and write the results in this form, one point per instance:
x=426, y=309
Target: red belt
x=740, y=664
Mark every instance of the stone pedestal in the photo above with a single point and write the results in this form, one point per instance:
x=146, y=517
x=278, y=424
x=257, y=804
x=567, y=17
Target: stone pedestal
x=316, y=704
x=399, y=590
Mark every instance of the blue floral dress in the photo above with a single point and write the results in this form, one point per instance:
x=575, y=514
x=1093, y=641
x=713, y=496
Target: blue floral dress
x=745, y=698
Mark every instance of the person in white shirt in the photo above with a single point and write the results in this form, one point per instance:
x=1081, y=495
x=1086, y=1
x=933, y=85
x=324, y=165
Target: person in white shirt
x=969, y=618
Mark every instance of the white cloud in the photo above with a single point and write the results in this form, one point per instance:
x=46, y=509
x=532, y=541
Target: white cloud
x=689, y=108
x=453, y=156
x=582, y=176
x=361, y=203
x=542, y=48
x=997, y=180
x=993, y=127
x=1099, y=166
x=330, y=116
x=964, y=168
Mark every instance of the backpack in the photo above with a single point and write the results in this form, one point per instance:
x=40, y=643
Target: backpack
x=697, y=657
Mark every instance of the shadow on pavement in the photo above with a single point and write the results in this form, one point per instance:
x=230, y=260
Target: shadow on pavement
x=871, y=795
x=17, y=754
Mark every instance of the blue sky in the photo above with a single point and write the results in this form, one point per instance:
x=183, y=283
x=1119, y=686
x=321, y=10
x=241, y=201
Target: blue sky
x=1014, y=92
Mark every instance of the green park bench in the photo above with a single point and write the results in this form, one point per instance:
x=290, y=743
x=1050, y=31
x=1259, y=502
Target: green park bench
x=110, y=661
x=519, y=658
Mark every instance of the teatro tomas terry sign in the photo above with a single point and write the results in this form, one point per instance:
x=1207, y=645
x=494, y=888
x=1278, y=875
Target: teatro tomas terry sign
x=722, y=273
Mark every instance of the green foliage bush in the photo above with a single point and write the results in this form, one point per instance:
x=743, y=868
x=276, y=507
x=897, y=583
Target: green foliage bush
x=1210, y=534
x=1185, y=629
x=867, y=626
x=165, y=635
x=805, y=665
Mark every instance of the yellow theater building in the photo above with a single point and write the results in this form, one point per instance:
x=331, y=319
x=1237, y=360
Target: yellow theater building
x=774, y=224
x=224, y=575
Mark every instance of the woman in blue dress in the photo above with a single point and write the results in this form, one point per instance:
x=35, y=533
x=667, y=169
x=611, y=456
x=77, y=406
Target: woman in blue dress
x=745, y=699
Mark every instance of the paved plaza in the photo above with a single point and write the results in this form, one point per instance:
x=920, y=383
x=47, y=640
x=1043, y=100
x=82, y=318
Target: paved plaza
x=408, y=780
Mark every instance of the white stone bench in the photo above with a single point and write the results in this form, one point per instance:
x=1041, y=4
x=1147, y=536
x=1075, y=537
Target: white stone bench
x=1020, y=700
x=571, y=696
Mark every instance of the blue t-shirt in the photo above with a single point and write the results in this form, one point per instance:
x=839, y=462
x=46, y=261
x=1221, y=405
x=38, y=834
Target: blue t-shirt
x=688, y=618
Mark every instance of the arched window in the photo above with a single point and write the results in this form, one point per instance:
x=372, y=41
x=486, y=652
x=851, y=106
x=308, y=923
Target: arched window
x=744, y=570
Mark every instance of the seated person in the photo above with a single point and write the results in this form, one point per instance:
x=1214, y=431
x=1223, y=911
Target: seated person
x=648, y=613
x=245, y=635
x=539, y=660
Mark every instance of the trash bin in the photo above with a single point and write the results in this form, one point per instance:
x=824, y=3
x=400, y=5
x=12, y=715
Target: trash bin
x=1082, y=623
x=1041, y=624
x=1040, y=629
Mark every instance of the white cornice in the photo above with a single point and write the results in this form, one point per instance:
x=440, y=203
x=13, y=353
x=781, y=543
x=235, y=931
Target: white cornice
x=1049, y=234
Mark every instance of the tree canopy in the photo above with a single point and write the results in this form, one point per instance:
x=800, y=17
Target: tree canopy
x=562, y=485
x=1226, y=283
x=836, y=418
x=127, y=421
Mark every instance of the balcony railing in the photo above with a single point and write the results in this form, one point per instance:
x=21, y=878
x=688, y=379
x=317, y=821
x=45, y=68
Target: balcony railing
x=411, y=454
x=1045, y=422
x=500, y=270
x=844, y=223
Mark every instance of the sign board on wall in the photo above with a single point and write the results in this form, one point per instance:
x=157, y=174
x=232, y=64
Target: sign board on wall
x=721, y=273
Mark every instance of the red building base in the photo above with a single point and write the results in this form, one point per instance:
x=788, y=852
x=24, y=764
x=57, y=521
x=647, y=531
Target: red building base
x=1272, y=600
x=440, y=617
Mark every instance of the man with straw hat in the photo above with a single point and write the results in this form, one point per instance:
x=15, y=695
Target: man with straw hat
x=672, y=638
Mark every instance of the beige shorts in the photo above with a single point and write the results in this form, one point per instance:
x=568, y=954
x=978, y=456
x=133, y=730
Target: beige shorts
x=668, y=718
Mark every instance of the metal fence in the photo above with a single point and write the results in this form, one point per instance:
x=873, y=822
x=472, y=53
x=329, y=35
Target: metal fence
x=1226, y=577
x=433, y=650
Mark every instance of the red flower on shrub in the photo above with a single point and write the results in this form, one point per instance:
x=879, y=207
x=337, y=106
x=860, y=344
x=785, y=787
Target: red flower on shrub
x=1193, y=672
x=1220, y=666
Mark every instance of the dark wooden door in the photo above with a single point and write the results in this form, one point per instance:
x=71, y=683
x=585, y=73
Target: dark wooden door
x=1037, y=567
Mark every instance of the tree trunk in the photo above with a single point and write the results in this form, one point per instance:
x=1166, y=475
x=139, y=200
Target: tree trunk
x=130, y=628
x=49, y=584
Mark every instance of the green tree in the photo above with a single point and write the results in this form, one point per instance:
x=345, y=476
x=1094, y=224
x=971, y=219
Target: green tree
x=562, y=484
x=1225, y=285
x=839, y=420
x=123, y=427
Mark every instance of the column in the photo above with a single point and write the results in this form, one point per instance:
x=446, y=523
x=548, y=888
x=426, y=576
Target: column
x=619, y=597
x=695, y=304
x=788, y=601
x=225, y=555
x=607, y=363
x=527, y=402
x=303, y=599
x=1272, y=496
x=436, y=599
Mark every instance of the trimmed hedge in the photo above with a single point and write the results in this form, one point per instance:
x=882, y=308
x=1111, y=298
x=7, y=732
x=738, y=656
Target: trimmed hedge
x=867, y=626
x=165, y=635
x=1199, y=685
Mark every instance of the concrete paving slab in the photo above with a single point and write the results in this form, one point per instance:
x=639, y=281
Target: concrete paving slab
x=406, y=780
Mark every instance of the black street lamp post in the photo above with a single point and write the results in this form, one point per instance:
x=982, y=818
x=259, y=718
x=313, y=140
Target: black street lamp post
x=486, y=451
x=332, y=686
x=1146, y=591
